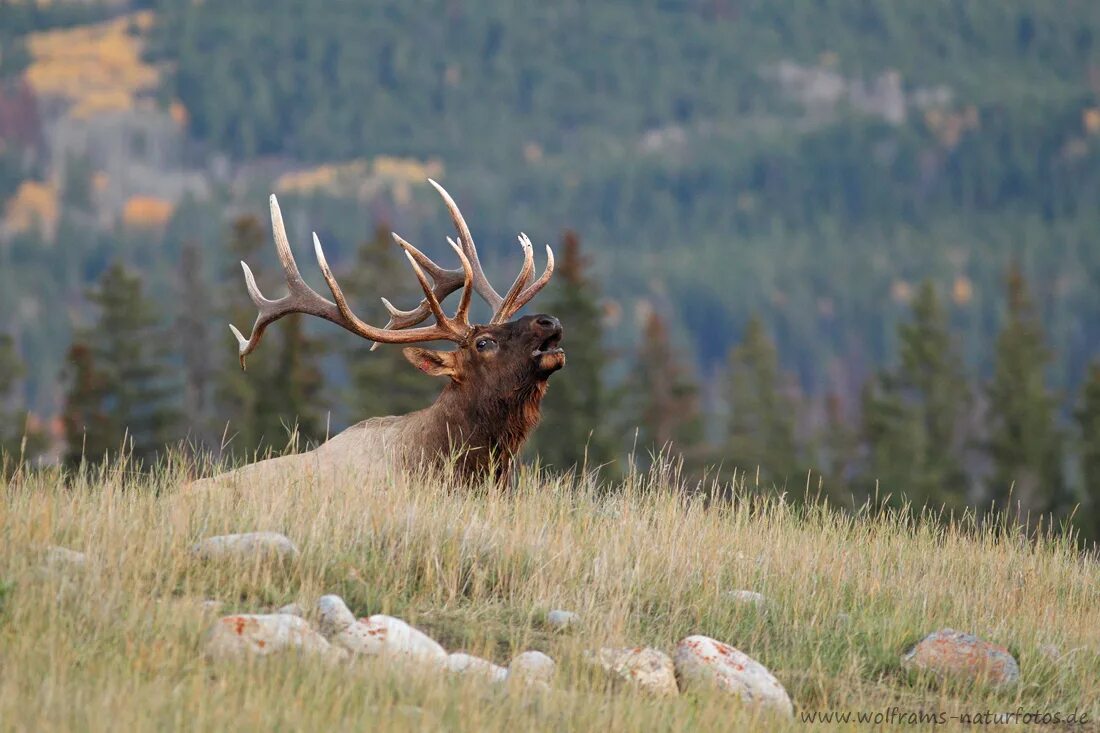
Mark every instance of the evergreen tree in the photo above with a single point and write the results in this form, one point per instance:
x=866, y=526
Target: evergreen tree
x=119, y=390
x=915, y=415
x=666, y=410
x=760, y=433
x=575, y=421
x=282, y=392
x=18, y=439
x=193, y=340
x=1088, y=420
x=381, y=381
x=1024, y=439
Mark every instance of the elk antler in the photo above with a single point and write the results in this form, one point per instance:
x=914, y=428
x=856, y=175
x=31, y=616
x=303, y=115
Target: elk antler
x=304, y=299
x=447, y=281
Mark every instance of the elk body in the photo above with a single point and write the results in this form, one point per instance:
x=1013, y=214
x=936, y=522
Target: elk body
x=496, y=377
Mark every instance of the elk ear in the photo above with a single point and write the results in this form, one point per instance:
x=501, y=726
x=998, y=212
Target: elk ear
x=435, y=363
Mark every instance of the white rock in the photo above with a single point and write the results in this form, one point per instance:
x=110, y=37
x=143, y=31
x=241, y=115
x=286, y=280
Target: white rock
x=333, y=616
x=292, y=609
x=559, y=619
x=246, y=546
x=461, y=663
x=748, y=597
x=375, y=636
x=63, y=557
x=701, y=661
x=532, y=667
x=648, y=668
x=264, y=634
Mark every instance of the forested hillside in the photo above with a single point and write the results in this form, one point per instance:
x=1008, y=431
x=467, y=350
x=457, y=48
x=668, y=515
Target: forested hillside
x=803, y=166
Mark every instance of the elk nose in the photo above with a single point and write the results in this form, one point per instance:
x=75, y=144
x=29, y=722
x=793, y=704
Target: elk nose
x=549, y=323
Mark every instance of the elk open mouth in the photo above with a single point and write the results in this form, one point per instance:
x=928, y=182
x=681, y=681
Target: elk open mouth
x=549, y=355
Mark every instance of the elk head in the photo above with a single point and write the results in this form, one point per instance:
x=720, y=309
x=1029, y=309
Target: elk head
x=495, y=363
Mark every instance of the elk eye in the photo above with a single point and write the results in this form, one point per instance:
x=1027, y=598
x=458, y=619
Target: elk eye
x=485, y=343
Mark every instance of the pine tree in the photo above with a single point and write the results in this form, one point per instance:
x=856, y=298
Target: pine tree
x=193, y=340
x=1088, y=421
x=1024, y=441
x=760, y=433
x=574, y=429
x=666, y=410
x=281, y=395
x=119, y=389
x=19, y=441
x=381, y=381
x=84, y=418
x=915, y=414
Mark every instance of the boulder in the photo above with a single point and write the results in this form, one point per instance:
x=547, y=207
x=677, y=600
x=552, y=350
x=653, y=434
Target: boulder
x=292, y=609
x=263, y=634
x=559, y=619
x=246, y=547
x=532, y=667
x=378, y=635
x=647, y=668
x=62, y=558
x=957, y=654
x=467, y=664
x=704, y=662
x=748, y=598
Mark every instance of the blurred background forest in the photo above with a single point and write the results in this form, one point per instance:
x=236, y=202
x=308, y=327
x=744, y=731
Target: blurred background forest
x=849, y=246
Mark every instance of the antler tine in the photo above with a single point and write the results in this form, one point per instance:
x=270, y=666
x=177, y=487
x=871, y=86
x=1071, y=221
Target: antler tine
x=481, y=283
x=531, y=290
x=459, y=326
x=507, y=308
x=462, y=313
x=429, y=295
x=301, y=298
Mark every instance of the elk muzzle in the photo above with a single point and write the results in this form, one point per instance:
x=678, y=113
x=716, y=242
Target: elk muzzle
x=548, y=354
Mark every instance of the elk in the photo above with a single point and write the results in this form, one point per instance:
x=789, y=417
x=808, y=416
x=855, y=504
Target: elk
x=496, y=377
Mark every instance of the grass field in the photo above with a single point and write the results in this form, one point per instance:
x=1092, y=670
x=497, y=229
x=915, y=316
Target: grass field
x=118, y=645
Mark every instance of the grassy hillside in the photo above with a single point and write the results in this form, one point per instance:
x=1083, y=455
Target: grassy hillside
x=118, y=645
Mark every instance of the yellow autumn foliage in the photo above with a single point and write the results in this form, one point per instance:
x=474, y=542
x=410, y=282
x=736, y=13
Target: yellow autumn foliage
x=97, y=67
x=1091, y=120
x=361, y=177
x=34, y=204
x=146, y=212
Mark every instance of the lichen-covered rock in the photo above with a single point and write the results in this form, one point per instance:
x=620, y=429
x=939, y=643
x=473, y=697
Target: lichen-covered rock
x=263, y=634
x=649, y=669
x=560, y=620
x=467, y=664
x=957, y=654
x=247, y=546
x=532, y=667
x=378, y=635
x=701, y=661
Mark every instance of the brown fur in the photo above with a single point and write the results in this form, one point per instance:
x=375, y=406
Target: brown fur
x=483, y=416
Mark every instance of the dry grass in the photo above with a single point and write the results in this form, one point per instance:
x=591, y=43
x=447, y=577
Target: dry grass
x=118, y=646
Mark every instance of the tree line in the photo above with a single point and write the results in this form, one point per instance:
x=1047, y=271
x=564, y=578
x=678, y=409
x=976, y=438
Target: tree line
x=152, y=373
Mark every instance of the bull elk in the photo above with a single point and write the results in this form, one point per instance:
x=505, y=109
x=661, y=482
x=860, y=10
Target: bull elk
x=496, y=378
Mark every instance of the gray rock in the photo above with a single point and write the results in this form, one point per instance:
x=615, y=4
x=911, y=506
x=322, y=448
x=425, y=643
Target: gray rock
x=748, y=598
x=261, y=635
x=704, y=662
x=957, y=654
x=561, y=620
x=532, y=667
x=247, y=546
x=647, y=668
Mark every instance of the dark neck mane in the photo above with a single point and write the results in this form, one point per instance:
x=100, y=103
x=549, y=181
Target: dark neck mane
x=489, y=429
